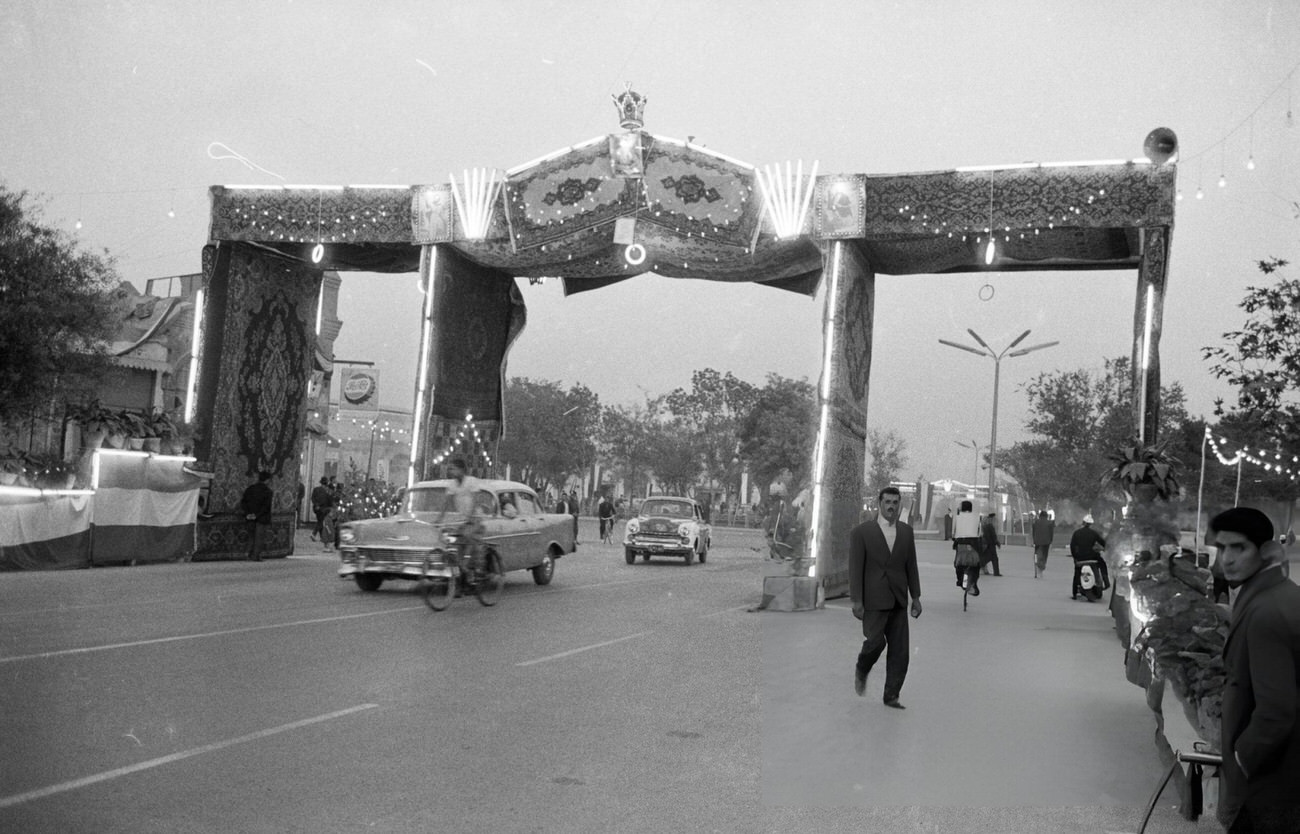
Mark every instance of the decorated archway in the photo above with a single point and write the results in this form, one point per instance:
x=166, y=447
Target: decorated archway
x=607, y=210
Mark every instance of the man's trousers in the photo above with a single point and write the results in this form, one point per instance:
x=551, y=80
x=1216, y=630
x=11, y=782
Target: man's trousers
x=881, y=629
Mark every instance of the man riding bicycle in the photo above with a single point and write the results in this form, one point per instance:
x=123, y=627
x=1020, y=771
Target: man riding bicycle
x=461, y=495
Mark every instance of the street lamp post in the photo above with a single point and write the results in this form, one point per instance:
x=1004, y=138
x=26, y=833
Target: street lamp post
x=997, y=373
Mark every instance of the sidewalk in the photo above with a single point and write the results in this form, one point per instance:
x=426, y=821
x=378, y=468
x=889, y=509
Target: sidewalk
x=1018, y=707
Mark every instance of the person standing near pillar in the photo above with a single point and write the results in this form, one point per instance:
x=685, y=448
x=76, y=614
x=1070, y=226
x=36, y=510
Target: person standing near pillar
x=256, y=503
x=882, y=574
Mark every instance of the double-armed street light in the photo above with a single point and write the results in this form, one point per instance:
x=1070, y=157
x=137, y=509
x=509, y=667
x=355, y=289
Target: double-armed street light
x=972, y=445
x=997, y=372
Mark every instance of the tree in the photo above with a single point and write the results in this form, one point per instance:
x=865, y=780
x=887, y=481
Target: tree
x=55, y=317
x=888, y=453
x=549, y=433
x=1079, y=417
x=628, y=439
x=1263, y=359
x=711, y=412
x=779, y=431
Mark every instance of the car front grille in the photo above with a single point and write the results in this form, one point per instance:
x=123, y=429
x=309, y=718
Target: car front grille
x=388, y=554
x=660, y=527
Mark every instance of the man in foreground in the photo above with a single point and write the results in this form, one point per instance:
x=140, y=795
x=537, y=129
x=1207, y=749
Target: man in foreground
x=1261, y=724
x=882, y=574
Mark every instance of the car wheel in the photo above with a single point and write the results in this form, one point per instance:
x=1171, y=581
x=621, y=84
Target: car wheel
x=368, y=581
x=542, y=573
x=630, y=555
x=690, y=556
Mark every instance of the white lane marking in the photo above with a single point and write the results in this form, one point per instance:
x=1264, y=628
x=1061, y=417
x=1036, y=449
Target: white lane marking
x=728, y=610
x=40, y=793
x=245, y=630
x=583, y=649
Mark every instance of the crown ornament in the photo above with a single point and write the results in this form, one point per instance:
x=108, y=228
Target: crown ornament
x=631, y=108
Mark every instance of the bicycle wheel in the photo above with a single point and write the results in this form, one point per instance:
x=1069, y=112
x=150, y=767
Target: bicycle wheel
x=491, y=580
x=439, y=590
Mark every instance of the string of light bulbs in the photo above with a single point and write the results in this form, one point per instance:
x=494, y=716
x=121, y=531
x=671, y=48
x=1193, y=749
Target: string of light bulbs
x=1221, y=143
x=468, y=425
x=1276, y=462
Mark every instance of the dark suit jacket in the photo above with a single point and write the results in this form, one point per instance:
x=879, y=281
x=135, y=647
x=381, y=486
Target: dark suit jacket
x=1261, y=722
x=880, y=578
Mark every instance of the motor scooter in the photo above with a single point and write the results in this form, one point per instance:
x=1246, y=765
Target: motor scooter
x=1092, y=579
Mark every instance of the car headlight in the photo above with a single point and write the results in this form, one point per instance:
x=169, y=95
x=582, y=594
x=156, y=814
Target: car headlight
x=347, y=535
x=633, y=527
x=684, y=530
x=450, y=536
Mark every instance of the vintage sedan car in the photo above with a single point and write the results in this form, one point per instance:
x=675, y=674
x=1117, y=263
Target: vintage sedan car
x=515, y=527
x=666, y=525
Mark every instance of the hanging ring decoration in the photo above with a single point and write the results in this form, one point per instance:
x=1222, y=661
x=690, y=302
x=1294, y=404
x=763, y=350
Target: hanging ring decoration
x=317, y=252
x=986, y=296
x=634, y=254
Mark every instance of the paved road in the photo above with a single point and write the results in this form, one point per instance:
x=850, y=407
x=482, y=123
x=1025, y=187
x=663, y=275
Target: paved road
x=274, y=697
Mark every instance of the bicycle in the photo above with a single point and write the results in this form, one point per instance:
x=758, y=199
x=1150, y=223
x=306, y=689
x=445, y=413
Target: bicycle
x=607, y=531
x=465, y=568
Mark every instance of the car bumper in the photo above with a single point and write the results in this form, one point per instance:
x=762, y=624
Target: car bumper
x=355, y=561
x=658, y=547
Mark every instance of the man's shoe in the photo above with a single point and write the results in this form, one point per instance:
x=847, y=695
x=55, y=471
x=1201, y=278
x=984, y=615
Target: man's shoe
x=859, y=682
x=959, y=585
x=893, y=702
x=975, y=590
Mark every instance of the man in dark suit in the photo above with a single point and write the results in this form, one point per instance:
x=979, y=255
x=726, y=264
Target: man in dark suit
x=882, y=574
x=1261, y=724
x=256, y=503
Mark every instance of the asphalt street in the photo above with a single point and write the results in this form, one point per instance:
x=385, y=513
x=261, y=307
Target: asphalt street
x=274, y=697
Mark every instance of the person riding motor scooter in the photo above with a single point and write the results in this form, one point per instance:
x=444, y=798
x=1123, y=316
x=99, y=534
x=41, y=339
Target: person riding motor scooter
x=1086, y=547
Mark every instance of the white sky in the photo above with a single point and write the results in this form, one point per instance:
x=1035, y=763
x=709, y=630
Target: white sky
x=109, y=109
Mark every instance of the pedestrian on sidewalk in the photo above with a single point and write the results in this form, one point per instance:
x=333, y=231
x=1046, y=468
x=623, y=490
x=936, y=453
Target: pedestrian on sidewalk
x=1044, y=530
x=1087, y=545
x=966, y=541
x=882, y=574
x=256, y=502
x=989, y=545
x=1260, y=725
x=322, y=499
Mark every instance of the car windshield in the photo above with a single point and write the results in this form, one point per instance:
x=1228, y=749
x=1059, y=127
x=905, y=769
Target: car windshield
x=426, y=500
x=674, y=509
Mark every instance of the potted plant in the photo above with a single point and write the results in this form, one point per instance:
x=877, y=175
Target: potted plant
x=137, y=429
x=12, y=468
x=1145, y=473
x=164, y=429
x=97, y=423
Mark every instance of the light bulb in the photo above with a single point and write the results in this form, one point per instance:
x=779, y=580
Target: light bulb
x=1179, y=198
x=78, y=225
x=1200, y=195
x=989, y=252
x=171, y=213
x=1250, y=163
x=1223, y=181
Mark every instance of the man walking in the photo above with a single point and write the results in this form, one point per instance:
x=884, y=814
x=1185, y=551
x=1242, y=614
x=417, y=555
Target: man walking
x=256, y=503
x=1260, y=726
x=882, y=574
x=322, y=499
x=989, y=551
x=1044, y=530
